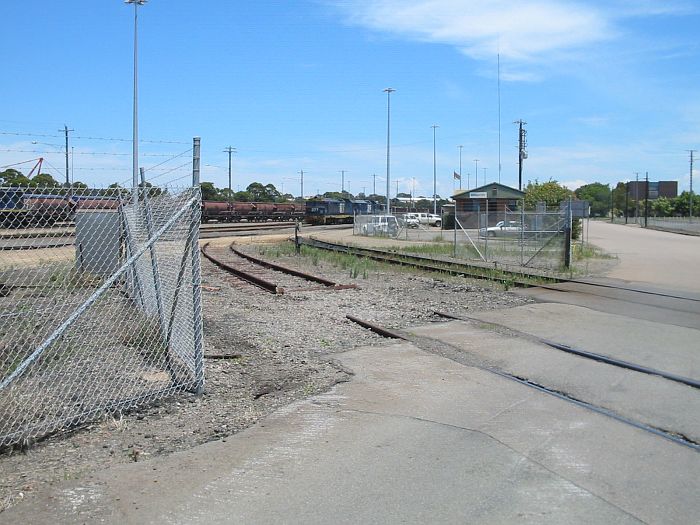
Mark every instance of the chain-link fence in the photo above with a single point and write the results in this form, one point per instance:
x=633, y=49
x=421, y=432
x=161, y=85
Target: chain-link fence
x=377, y=225
x=678, y=224
x=535, y=239
x=673, y=224
x=100, y=303
x=532, y=239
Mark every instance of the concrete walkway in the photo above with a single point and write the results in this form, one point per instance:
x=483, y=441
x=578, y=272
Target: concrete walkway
x=413, y=438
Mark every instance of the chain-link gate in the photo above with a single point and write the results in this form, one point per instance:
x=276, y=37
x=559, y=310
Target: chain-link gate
x=377, y=225
x=100, y=303
x=535, y=239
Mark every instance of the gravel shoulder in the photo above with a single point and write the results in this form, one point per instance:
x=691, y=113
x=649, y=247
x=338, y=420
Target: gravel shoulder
x=262, y=352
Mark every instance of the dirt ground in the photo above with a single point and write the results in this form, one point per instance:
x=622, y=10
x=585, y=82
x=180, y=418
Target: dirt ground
x=261, y=352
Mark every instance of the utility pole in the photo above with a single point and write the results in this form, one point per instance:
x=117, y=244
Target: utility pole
x=499, y=119
x=690, y=210
x=434, y=126
x=476, y=171
x=612, y=204
x=229, y=150
x=636, y=197
x=135, y=134
x=646, y=201
x=460, y=167
x=66, y=130
x=388, y=92
x=302, y=184
x=413, y=193
x=522, y=150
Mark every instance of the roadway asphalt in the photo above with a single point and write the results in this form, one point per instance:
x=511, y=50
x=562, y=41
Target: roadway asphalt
x=427, y=432
x=667, y=261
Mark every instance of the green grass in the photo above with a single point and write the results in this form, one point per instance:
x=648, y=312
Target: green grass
x=362, y=267
x=587, y=251
x=464, y=251
x=355, y=266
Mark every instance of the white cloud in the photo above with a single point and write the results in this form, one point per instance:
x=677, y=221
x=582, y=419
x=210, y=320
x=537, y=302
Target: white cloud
x=520, y=32
x=574, y=184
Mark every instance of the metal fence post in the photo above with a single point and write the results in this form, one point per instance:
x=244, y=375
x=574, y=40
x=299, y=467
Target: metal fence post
x=486, y=236
x=567, y=237
x=454, y=250
x=197, y=272
x=197, y=293
x=195, y=161
x=522, y=233
x=154, y=259
x=133, y=282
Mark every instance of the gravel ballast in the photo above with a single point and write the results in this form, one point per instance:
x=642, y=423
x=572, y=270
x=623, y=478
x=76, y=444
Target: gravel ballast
x=262, y=351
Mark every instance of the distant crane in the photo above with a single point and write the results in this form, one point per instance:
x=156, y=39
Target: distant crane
x=37, y=167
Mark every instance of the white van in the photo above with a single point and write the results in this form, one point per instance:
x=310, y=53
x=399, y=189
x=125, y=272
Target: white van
x=426, y=219
x=381, y=225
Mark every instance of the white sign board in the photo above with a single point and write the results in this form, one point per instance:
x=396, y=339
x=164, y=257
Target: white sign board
x=478, y=195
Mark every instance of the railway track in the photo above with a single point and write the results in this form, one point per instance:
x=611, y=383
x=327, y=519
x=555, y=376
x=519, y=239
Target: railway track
x=620, y=363
x=492, y=272
x=519, y=278
x=57, y=238
x=273, y=278
x=451, y=352
x=69, y=231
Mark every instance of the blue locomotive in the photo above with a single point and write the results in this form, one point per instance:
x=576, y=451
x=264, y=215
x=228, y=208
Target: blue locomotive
x=338, y=211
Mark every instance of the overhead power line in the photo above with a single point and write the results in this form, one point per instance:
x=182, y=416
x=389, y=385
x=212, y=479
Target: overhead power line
x=106, y=153
x=60, y=174
x=113, y=139
x=174, y=169
x=168, y=160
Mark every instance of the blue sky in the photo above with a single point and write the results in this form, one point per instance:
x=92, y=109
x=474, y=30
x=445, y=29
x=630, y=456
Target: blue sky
x=607, y=89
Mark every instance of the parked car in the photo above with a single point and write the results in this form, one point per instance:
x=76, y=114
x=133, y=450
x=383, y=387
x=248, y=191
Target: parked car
x=381, y=225
x=411, y=220
x=502, y=229
x=425, y=219
x=434, y=220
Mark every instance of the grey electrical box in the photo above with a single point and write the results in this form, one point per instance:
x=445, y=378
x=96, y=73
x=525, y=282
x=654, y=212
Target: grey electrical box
x=579, y=209
x=97, y=241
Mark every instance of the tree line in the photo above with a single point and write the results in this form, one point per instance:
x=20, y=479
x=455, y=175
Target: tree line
x=603, y=200
x=601, y=197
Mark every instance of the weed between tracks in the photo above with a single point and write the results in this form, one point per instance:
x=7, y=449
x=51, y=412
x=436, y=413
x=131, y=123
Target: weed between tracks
x=587, y=251
x=356, y=266
x=583, y=255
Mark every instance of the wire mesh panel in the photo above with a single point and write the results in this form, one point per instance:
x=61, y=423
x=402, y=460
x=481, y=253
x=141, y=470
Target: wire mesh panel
x=686, y=224
x=99, y=302
x=377, y=225
x=533, y=239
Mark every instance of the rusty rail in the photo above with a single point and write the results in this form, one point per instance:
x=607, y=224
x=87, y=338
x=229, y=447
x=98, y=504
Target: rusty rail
x=284, y=269
x=384, y=332
x=252, y=279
